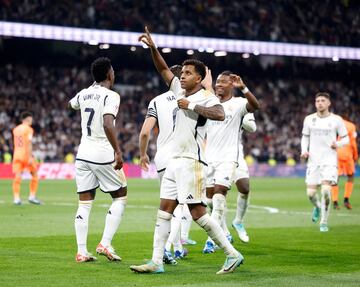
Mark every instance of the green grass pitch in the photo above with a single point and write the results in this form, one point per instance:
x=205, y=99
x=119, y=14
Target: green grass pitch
x=37, y=243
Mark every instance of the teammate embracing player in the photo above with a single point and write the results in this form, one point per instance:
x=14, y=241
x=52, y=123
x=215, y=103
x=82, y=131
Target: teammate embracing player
x=162, y=114
x=318, y=145
x=184, y=178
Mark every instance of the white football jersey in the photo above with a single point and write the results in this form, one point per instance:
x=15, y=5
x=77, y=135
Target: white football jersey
x=94, y=102
x=322, y=132
x=164, y=109
x=223, y=136
x=190, y=127
x=249, y=121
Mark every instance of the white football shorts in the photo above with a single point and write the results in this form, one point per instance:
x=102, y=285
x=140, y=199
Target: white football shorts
x=184, y=180
x=316, y=174
x=220, y=173
x=91, y=176
x=242, y=171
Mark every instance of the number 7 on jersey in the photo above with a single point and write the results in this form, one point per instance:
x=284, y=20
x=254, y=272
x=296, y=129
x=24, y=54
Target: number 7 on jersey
x=91, y=116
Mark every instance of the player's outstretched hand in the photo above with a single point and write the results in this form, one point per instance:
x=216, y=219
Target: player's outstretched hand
x=118, y=161
x=183, y=103
x=305, y=155
x=237, y=81
x=144, y=162
x=207, y=81
x=146, y=39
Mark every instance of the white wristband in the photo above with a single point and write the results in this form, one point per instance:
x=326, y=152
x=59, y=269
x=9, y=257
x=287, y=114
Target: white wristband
x=245, y=90
x=191, y=106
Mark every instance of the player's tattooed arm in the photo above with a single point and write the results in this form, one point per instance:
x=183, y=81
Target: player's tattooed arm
x=215, y=112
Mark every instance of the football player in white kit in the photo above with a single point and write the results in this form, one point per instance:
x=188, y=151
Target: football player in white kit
x=162, y=113
x=222, y=148
x=184, y=178
x=318, y=145
x=241, y=179
x=99, y=159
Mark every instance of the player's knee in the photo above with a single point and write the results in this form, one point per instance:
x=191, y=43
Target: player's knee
x=326, y=191
x=350, y=178
x=243, y=186
x=121, y=192
x=244, y=195
x=164, y=215
x=310, y=192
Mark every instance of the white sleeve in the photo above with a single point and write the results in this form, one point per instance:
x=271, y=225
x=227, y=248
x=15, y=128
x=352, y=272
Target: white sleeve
x=305, y=139
x=341, y=129
x=243, y=110
x=249, y=123
x=306, y=129
x=212, y=100
x=152, y=111
x=74, y=102
x=343, y=134
x=111, y=104
x=175, y=87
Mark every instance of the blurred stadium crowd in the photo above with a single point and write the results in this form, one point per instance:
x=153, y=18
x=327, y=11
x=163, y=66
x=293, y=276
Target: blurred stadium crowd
x=329, y=22
x=46, y=91
x=44, y=81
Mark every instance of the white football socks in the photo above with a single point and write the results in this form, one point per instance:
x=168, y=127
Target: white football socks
x=161, y=234
x=223, y=221
x=313, y=197
x=186, y=221
x=219, y=202
x=174, y=237
x=325, y=203
x=82, y=224
x=113, y=219
x=216, y=233
x=241, y=207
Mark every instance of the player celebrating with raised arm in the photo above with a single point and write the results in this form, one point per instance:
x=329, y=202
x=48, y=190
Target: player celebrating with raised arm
x=184, y=178
x=23, y=158
x=162, y=113
x=222, y=143
x=318, y=145
x=99, y=159
x=241, y=179
x=347, y=156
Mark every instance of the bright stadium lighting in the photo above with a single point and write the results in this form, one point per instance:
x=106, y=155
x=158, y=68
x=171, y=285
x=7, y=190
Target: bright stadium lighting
x=209, y=50
x=132, y=48
x=93, y=43
x=245, y=55
x=166, y=50
x=220, y=53
x=104, y=46
x=37, y=31
x=335, y=58
x=190, y=52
